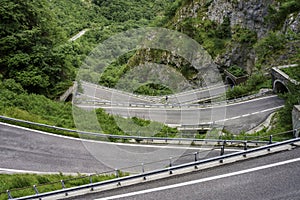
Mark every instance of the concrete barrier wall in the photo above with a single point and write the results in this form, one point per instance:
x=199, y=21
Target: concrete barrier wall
x=296, y=119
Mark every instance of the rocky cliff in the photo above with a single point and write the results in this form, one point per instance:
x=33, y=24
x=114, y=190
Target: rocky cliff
x=257, y=16
x=248, y=14
x=252, y=34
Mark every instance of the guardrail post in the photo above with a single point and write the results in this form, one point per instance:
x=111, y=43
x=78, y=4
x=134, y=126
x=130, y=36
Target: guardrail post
x=117, y=176
x=223, y=148
x=170, y=165
x=295, y=133
x=9, y=195
x=143, y=171
x=117, y=173
x=91, y=181
x=245, y=145
x=245, y=148
x=196, y=158
x=35, y=190
x=270, y=139
x=63, y=186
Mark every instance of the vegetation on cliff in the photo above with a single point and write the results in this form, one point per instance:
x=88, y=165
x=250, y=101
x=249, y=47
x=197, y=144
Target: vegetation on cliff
x=38, y=62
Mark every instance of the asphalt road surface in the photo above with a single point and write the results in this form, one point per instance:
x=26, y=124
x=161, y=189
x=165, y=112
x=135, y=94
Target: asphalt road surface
x=272, y=177
x=97, y=92
x=236, y=117
x=239, y=116
x=22, y=149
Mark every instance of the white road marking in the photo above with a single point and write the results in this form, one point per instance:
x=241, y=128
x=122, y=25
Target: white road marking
x=247, y=115
x=117, y=144
x=77, y=36
x=18, y=171
x=255, y=113
x=168, y=106
x=242, y=102
x=93, y=97
x=119, y=92
x=221, y=120
x=201, y=180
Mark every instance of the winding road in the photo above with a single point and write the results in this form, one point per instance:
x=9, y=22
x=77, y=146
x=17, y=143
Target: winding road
x=236, y=117
x=273, y=177
x=35, y=151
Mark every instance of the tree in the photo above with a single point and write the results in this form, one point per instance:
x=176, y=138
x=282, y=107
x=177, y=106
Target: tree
x=29, y=41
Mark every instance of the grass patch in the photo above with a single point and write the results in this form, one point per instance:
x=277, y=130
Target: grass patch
x=134, y=126
x=237, y=71
x=39, y=109
x=22, y=184
x=292, y=72
x=251, y=86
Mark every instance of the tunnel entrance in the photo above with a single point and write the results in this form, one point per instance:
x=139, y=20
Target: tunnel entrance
x=69, y=98
x=279, y=87
x=230, y=81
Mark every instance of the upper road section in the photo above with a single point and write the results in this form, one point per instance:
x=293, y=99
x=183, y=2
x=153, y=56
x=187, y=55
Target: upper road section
x=100, y=93
x=238, y=116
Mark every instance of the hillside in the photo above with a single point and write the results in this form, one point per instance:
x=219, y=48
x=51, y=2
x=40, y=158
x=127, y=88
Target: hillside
x=254, y=35
x=37, y=61
x=34, y=37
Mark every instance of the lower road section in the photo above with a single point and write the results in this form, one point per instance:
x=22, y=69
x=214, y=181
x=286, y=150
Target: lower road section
x=271, y=177
x=235, y=117
x=22, y=149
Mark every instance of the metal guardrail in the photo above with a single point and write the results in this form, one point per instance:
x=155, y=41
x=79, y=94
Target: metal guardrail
x=136, y=138
x=144, y=175
x=156, y=98
x=168, y=105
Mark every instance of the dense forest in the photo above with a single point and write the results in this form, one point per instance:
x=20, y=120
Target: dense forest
x=37, y=60
x=35, y=51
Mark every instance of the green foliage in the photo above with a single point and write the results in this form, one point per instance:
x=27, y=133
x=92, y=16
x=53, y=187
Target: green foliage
x=167, y=132
x=269, y=46
x=152, y=89
x=44, y=183
x=115, y=70
x=117, y=125
x=121, y=11
x=254, y=83
x=212, y=36
x=293, y=72
x=140, y=122
x=75, y=15
x=172, y=9
x=285, y=114
x=237, y=71
x=278, y=16
x=244, y=36
x=15, y=103
x=108, y=123
x=30, y=46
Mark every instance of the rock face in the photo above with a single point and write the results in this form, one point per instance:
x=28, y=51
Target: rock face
x=239, y=55
x=292, y=23
x=249, y=14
